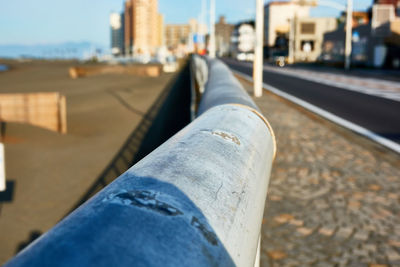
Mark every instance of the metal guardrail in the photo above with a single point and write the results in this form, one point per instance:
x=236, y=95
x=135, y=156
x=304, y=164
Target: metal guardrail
x=197, y=200
x=223, y=88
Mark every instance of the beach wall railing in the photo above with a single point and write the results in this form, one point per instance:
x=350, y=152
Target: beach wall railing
x=196, y=200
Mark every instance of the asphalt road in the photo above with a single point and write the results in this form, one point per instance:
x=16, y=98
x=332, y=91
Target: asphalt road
x=379, y=115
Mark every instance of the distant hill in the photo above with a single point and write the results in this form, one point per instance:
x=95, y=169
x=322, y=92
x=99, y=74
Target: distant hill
x=79, y=50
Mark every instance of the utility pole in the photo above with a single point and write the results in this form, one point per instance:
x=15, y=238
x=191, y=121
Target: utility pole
x=2, y=158
x=258, y=50
x=349, y=26
x=200, y=29
x=212, y=29
x=292, y=42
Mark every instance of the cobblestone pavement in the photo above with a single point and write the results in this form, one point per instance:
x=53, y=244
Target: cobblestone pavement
x=333, y=198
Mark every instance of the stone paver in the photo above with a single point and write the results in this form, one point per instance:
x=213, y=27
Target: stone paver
x=333, y=198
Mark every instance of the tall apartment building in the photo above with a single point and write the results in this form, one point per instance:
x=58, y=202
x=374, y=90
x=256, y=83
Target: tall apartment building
x=117, y=34
x=176, y=34
x=223, y=32
x=143, y=27
x=184, y=37
x=160, y=30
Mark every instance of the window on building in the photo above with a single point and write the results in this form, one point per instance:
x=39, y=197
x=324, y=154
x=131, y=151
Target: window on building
x=307, y=46
x=307, y=28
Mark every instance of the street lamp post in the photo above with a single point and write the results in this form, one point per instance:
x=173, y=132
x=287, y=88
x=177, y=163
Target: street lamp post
x=292, y=42
x=349, y=26
x=258, y=50
x=212, y=29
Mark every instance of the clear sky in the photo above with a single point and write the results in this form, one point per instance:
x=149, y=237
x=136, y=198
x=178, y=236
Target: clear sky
x=56, y=21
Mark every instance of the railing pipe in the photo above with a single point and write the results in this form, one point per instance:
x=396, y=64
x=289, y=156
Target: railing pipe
x=223, y=88
x=197, y=200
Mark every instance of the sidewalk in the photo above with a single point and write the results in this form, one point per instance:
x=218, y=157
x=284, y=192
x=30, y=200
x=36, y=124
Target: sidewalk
x=333, y=198
x=379, y=74
x=370, y=84
x=363, y=81
x=48, y=172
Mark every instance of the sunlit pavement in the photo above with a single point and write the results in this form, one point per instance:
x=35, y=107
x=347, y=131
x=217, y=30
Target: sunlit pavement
x=333, y=198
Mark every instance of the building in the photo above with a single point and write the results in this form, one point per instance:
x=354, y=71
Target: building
x=309, y=37
x=182, y=39
x=334, y=45
x=359, y=18
x=117, y=34
x=376, y=44
x=334, y=42
x=176, y=34
x=128, y=27
x=278, y=17
x=223, y=32
x=394, y=3
x=243, y=41
x=142, y=27
x=384, y=12
x=160, y=30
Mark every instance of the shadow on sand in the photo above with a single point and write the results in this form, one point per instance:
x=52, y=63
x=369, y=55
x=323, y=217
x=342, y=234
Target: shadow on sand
x=169, y=114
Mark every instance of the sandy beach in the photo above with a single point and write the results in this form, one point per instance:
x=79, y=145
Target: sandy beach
x=48, y=172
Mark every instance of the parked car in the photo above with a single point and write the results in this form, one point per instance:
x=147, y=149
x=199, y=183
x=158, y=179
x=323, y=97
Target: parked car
x=281, y=61
x=245, y=56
